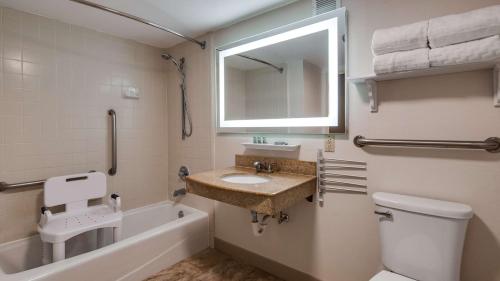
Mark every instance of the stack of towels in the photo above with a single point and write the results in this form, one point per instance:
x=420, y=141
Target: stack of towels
x=449, y=40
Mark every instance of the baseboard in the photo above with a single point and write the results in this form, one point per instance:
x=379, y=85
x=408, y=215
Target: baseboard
x=280, y=270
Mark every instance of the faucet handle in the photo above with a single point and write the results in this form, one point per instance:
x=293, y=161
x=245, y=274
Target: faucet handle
x=257, y=165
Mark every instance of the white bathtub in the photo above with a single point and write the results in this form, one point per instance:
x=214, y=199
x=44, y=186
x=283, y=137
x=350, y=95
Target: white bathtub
x=154, y=237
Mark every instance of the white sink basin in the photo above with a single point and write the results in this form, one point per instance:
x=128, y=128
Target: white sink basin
x=244, y=179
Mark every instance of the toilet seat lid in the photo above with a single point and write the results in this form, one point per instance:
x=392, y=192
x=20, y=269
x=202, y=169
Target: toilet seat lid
x=385, y=275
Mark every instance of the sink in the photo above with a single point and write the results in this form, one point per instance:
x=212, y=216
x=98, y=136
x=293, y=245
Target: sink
x=244, y=179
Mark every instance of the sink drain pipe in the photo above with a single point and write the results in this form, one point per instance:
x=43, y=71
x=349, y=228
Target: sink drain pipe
x=258, y=226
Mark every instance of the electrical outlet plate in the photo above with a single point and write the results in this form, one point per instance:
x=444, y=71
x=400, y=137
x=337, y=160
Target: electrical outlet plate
x=330, y=144
x=131, y=93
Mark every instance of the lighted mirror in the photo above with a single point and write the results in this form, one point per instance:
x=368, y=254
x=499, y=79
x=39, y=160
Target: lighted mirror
x=287, y=80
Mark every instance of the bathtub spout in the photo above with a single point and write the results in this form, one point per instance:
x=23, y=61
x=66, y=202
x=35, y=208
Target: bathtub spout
x=179, y=192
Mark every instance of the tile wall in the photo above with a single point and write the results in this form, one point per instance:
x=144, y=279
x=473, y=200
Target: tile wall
x=57, y=82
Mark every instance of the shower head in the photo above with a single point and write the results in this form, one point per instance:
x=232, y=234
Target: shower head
x=179, y=66
x=166, y=56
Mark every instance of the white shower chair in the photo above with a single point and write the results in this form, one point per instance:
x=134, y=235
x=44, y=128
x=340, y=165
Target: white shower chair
x=74, y=191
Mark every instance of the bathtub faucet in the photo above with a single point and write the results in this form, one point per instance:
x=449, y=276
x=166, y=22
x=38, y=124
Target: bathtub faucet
x=179, y=192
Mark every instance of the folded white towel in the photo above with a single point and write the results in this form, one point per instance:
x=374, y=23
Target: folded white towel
x=487, y=49
x=464, y=27
x=401, y=61
x=400, y=38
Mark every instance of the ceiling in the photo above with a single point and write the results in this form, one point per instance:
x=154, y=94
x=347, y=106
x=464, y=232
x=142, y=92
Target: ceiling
x=188, y=17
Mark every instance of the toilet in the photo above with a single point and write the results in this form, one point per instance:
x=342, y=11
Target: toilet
x=421, y=239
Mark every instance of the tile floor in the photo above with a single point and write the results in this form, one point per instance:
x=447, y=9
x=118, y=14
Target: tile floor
x=212, y=265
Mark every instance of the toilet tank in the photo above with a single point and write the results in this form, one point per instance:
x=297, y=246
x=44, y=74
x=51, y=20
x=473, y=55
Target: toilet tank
x=422, y=238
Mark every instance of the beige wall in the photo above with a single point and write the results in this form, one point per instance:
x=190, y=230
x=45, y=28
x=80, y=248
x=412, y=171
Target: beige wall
x=57, y=82
x=339, y=242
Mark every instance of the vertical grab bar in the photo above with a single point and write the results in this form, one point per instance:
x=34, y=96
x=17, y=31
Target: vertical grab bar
x=114, y=162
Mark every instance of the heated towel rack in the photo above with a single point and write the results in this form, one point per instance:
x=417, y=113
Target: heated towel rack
x=491, y=144
x=331, y=176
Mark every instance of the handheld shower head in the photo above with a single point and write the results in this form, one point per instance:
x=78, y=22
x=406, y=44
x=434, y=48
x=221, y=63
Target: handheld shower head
x=179, y=66
x=187, y=129
x=166, y=56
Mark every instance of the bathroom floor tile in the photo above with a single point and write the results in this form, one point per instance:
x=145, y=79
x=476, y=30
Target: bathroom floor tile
x=212, y=265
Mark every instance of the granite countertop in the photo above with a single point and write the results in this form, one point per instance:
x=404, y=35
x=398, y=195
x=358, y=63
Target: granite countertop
x=279, y=181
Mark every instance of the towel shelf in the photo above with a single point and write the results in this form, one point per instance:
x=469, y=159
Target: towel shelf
x=371, y=80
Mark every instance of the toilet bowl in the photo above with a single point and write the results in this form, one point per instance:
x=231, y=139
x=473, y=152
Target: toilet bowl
x=412, y=241
x=385, y=275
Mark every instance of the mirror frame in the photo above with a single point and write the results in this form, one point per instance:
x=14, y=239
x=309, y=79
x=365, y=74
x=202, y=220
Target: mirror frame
x=335, y=121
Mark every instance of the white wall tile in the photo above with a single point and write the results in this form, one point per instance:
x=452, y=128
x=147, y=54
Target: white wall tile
x=57, y=82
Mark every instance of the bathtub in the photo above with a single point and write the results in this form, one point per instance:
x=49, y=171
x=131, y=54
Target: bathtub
x=154, y=237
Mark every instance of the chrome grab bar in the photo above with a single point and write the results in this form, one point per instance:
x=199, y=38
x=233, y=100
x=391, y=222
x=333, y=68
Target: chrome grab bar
x=8, y=186
x=5, y=186
x=202, y=44
x=114, y=162
x=491, y=144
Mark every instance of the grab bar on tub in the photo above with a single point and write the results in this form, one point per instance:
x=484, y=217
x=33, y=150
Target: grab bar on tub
x=114, y=162
x=8, y=186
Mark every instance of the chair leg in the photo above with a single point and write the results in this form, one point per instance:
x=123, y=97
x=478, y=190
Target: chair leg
x=117, y=234
x=58, y=251
x=45, y=253
x=100, y=238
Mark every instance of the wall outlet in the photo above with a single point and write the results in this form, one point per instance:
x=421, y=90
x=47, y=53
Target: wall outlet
x=330, y=144
x=131, y=93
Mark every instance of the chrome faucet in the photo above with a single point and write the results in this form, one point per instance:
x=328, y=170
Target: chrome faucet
x=265, y=167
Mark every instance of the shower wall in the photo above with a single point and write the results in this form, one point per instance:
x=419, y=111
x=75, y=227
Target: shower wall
x=57, y=82
x=195, y=152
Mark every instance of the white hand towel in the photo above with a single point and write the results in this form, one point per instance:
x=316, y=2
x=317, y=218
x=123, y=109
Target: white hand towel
x=400, y=38
x=401, y=61
x=487, y=49
x=459, y=28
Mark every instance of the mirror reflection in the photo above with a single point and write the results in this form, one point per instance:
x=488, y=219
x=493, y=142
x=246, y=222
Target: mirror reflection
x=287, y=79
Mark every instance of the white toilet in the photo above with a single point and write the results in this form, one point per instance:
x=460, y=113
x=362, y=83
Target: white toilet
x=421, y=239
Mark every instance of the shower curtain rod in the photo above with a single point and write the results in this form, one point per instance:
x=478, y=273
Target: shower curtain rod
x=202, y=44
x=280, y=69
